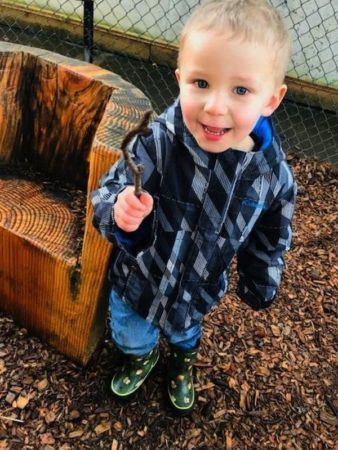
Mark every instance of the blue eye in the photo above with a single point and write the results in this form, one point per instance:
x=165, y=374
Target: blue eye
x=240, y=90
x=202, y=84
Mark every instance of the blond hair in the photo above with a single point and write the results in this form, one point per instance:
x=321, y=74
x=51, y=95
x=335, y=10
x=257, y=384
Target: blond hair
x=250, y=20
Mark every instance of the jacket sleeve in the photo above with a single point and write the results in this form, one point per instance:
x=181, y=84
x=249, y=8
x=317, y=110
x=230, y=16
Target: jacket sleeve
x=113, y=182
x=261, y=259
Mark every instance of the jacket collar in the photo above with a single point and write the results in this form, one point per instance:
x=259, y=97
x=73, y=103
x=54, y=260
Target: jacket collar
x=267, y=154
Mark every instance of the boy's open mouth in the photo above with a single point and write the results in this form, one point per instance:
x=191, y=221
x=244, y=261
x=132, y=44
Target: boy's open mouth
x=215, y=131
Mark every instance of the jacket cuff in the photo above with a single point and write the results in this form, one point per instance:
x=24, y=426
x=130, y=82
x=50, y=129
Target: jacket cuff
x=248, y=297
x=135, y=241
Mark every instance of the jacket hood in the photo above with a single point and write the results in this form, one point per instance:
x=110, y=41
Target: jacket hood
x=268, y=150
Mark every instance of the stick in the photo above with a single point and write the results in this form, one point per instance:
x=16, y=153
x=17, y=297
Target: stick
x=136, y=169
x=11, y=418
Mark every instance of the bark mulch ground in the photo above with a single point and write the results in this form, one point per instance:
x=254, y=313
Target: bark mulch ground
x=264, y=380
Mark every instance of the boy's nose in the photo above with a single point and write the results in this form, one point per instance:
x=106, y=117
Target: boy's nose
x=216, y=105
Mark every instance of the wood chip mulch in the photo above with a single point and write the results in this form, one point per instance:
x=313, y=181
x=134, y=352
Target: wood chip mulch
x=265, y=380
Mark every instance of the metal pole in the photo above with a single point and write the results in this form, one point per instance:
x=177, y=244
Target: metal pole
x=88, y=29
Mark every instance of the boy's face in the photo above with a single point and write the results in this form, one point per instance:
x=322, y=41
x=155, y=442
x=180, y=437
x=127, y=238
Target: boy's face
x=225, y=86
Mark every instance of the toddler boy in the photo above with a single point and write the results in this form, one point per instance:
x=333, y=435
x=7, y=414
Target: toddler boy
x=216, y=184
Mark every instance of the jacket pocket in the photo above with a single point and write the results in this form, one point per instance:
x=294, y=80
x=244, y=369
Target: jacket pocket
x=173, y=240
x=251, y=202
x=174, y=215
x=250, y=212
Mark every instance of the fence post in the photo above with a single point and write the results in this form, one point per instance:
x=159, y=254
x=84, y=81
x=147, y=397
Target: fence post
x=88, y=29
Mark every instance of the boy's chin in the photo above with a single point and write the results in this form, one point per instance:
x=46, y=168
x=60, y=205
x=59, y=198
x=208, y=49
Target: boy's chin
x=213, y=150
x=213, y=147
x=245, y=145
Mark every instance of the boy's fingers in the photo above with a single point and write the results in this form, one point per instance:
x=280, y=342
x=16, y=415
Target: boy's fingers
x=129, y=210
x=142, y=204
x=133, y=202
x=147, y=200
x=125, y=219
x=128, y=225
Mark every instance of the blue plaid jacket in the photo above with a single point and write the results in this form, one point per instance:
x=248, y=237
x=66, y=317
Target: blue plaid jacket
x=207, y=208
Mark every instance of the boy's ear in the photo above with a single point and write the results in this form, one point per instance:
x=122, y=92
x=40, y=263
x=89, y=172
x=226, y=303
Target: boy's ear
x=177, y=73
x=275, y=100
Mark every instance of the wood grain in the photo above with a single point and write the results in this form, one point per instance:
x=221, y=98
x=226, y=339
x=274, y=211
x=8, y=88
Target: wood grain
x=62, y=122
x=10, y=104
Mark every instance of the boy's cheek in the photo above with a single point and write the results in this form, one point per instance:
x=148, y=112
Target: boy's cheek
x=187, y=109
x=248, y=120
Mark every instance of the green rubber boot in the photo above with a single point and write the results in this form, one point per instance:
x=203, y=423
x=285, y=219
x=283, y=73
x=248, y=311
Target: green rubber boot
x=131, y=375
x=180, y=381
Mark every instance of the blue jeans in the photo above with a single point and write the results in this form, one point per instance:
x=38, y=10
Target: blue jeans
x=135, y=336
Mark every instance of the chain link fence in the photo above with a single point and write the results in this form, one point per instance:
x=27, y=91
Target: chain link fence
x=137, y=39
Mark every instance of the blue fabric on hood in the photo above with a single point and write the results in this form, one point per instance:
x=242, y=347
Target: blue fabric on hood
x=263, y=131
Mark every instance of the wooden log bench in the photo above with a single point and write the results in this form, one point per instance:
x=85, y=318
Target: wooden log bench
x=61, y=124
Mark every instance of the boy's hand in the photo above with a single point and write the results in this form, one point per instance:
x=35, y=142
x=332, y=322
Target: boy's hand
x=129, y=210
